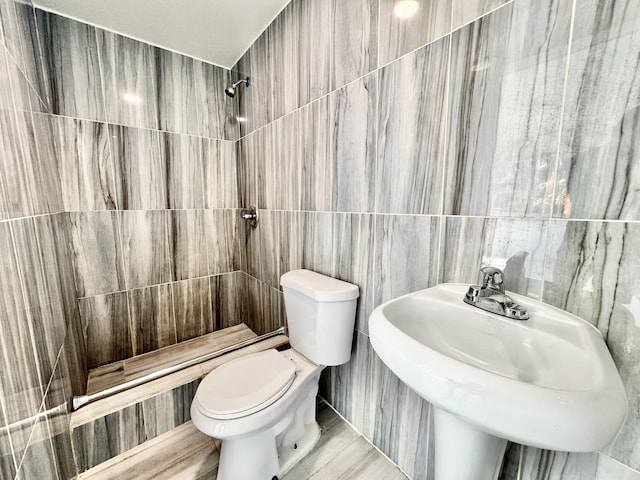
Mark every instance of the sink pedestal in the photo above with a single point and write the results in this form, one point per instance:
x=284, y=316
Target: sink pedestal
x=463, y=452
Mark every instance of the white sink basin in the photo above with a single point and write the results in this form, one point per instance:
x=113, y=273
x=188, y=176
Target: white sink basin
x=548, y=382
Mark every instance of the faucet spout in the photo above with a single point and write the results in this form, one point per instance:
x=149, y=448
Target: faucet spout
x=491, y=297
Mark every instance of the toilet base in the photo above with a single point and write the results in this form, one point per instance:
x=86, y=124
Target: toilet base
x=272, y=452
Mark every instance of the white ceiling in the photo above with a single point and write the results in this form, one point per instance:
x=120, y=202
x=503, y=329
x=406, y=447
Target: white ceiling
x=216, y=31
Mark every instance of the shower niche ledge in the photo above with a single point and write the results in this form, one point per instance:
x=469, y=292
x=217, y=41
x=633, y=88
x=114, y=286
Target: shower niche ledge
x=547, y=382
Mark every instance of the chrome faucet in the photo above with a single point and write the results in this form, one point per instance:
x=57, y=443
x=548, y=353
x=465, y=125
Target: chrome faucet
x=490, y=296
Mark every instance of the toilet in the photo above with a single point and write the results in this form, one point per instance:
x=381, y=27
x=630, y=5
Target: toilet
x=262, y=406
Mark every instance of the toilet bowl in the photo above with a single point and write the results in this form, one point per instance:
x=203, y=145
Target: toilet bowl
x=262, y=406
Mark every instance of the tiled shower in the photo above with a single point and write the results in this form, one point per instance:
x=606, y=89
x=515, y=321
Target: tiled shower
x=392, y=154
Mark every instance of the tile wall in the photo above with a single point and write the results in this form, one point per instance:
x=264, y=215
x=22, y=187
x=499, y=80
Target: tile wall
x=400, y=154
x=118, y=207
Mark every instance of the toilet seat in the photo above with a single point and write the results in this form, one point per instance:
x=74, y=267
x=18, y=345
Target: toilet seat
x=245, y=385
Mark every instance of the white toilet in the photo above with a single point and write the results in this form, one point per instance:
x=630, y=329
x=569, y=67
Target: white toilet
x=262, y=406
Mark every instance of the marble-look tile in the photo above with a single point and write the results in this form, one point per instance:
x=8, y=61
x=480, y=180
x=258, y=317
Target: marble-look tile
x=163, y=412
x=283, y=172
x=411, y=131
x=353, y=145
x=102, y=439
x=591, y=272
x=268, y=243
x=190, y=240
x=39, y=276
x=284, y=60
x=21, y=390
x=39, y=459
x=192, y=304
x=221, y=175
x=85, y=164
x=355, y=40
x=402, y=35
x=250, y=153
x=72, y=70
x=598, y=172
x=516, y=246
x=290, y=230
x=177, y=104
x=140, y=168
x=61, y=243
x=221, y=240
x=405, y=250
x=226, y=300
x=105, y=320
x=216, y=111
x=262, y=310
x=97, y=252
x=151, y=318
x=547, y=465
x=353, y=246
x=465, y=11
x=129, y=80
x=186, y=167
x=314, y=50
x=75, y=351
x=255, y=103
x=147, y=247
x=160, y=458
x=317, y=242
x=315, y=160
x=507, y=76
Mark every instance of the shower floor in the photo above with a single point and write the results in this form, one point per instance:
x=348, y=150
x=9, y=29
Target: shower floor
x=185, y=453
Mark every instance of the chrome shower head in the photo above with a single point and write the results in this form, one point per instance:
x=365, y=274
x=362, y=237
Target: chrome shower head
x=231, y=89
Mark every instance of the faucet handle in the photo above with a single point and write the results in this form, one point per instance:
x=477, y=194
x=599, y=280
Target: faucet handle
x=492, y=277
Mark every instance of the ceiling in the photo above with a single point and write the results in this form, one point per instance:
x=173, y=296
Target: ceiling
x=216, y=31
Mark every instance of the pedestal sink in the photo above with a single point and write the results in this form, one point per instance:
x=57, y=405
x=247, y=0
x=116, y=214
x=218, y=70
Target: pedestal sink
x=548, y=382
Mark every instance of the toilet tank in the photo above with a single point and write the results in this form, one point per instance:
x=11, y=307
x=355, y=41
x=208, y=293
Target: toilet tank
x=321, y=313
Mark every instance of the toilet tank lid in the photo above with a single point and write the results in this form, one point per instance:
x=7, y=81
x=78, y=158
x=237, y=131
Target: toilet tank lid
x=319, y=287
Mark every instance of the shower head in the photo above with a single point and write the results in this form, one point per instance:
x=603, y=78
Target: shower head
x=231, y=90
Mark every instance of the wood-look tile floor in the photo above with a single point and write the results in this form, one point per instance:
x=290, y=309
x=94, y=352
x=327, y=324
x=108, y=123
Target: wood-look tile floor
x=186, y=454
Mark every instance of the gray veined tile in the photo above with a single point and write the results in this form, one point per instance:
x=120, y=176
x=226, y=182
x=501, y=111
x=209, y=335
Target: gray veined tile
x=314, y=49
x=97, y=252
x=152, y=318
x=216, y=111
x=507, y=76
x=317, y=242
x=291, y=229
x=255, y=103
x=177, y=103
x=406, y=249
x=192, y=304
x=190, y=244
x=251, y=152
x=465, y=11
x=355, y=40
x=411, y=131
x=223, y=244
x=598, y=172
x=72, y=70
x=147, y=248
x=20, y=386
x=221, y=175
x=283, y=174
x=353, y=145
x=353, y=247
x=402, y=35
x=129, y=80
x=39, y=459
x=283, y=54
x=591, y=272
x=185, y=169
x=517, y=246
x=226, y=301
x=105, y=320
x=140, y=168
x=37, y=259
x=84, y=160
x=313, y=127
